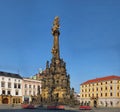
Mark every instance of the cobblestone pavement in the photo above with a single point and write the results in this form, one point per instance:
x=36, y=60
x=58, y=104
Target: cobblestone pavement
x=33, y=110
x=39, y=110
x=102, y=110
x=106, y=110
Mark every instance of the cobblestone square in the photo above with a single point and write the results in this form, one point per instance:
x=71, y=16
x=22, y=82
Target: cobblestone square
x=39, y=110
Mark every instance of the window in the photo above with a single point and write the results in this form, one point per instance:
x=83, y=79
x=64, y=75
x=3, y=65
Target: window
x=110, y=87
x=110, y=94
x=25, y=92
x=29, y=92
x=15, y=85
x=2, y=78
x=97, y=95
x=34, y=93
x=19, y=86
x=101, y=83
x=29, y=86
x=111, y=103
x=9, y=79
x=101, y=89
x=118, y=94
x=13, y=100
x=9, y=85
x=96, y=89
x=3, y=92
x=38, y=90
x=2, y=84
x=105, y=88
x=105, y=94
x=89, y=95
x=25, y=85
x=16, y=92
x=101, y=94
x=105, y=82
x=8, y=93
x=110, y=81
x=33, y=86
x=118, y=87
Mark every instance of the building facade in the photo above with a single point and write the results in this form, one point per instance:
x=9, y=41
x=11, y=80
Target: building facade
x=101, y=92
x=10, y=88
x=31, y=90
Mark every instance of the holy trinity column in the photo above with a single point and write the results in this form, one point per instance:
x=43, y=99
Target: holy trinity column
x=56, y=81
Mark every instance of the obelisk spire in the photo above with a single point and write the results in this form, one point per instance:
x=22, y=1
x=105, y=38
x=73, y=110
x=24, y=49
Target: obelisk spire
x=56, y=33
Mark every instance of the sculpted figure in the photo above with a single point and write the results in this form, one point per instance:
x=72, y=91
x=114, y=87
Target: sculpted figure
x=55, y=24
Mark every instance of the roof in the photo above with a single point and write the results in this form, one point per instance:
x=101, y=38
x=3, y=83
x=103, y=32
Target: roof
x=7, y=74
x=31, y=80
x=112, y=77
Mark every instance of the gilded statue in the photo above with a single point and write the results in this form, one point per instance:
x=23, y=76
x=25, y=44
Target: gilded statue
x=55, y=24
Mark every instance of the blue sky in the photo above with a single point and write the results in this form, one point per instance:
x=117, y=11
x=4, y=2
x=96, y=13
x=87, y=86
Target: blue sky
x=89, y=39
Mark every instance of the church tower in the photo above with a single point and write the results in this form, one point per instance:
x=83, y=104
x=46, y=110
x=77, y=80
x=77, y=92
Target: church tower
x=56, y=81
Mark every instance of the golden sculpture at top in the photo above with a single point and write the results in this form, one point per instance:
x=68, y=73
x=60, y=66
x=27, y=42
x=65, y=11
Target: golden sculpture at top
x=55, y=25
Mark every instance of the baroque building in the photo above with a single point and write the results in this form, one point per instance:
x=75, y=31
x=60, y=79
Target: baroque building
x=55, y=80
x=31, y=90
x=10, y=88
x=101, y=92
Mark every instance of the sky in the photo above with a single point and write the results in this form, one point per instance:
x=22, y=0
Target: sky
x=89, y=37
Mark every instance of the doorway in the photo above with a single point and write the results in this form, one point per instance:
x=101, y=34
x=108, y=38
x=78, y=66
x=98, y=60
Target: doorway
x=95, y=103
x=5, y=101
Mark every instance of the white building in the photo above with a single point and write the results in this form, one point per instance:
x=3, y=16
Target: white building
x=10, y=88
x=31, y=90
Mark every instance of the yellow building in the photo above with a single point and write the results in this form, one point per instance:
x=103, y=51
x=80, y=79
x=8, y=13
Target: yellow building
x=101, y=92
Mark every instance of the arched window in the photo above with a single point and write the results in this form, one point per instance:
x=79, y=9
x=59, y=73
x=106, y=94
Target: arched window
x=13, y=100
x=111, y=103
x=19, y=100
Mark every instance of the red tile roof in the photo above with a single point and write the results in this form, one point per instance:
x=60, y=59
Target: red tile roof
x=112, y=77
